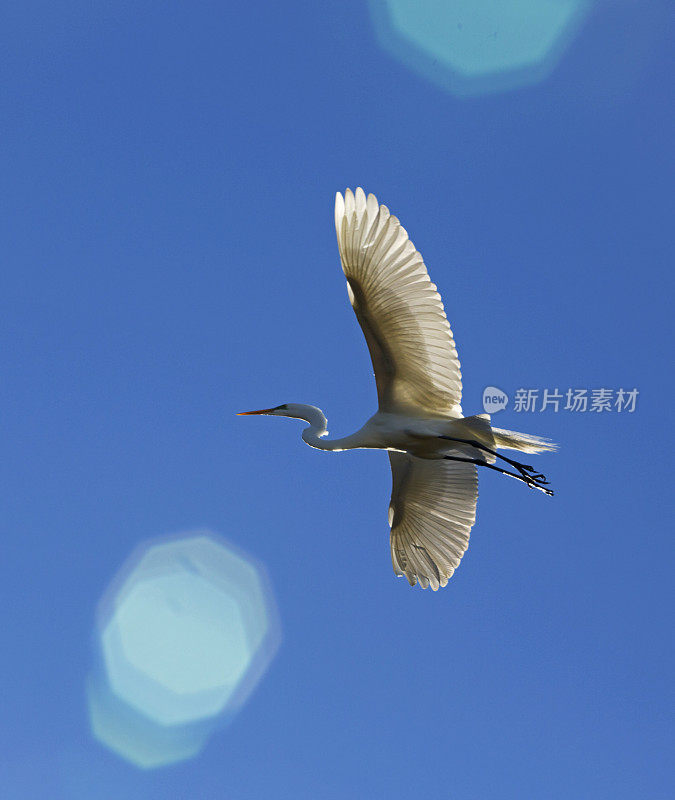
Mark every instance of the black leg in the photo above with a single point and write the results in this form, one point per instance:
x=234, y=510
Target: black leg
x=528, y=479
x=525, y=470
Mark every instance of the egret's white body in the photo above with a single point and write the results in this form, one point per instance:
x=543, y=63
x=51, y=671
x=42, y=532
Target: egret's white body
x=433, y=449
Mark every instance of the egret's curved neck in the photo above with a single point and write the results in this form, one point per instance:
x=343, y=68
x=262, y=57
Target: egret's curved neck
x=318, y=428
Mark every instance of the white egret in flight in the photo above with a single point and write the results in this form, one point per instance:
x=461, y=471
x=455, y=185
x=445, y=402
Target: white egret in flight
x=434, y=450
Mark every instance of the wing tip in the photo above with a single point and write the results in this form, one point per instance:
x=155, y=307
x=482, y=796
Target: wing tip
x=426, y=581
x=358, y=200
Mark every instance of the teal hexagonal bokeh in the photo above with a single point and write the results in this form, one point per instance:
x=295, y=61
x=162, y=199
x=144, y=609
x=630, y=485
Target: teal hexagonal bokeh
x=185, y=631
x=176, y=649
x=478, y=46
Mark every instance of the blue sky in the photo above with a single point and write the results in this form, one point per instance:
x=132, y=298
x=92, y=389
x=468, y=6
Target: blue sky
x=170, y=258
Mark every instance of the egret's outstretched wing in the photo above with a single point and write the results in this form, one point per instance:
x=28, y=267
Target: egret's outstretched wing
x=398, y=308
x=432, y=511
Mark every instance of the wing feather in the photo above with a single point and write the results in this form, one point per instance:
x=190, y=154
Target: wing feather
x=431, y=513
x=399, y=309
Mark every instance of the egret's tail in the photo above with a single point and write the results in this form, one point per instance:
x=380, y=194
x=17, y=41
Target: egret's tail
x=525, y=442
x=481, y=427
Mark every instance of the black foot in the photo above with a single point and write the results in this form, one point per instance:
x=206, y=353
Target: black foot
x=530, y=480
x=535, y=480
x=535, y=484
x=528, y=472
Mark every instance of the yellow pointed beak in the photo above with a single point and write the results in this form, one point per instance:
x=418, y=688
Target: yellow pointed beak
x=248, y=413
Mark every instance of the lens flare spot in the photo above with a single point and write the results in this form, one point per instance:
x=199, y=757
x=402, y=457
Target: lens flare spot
x=185, y=631
x=477, y=46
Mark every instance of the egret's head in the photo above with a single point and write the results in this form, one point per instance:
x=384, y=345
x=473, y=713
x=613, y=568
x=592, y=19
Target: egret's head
x=295, y=410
